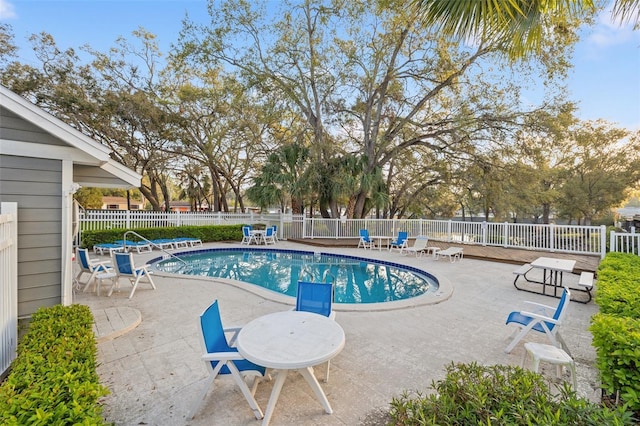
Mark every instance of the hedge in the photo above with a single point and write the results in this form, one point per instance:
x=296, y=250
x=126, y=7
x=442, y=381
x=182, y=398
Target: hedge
x=53, y=380
x=208, y=233
x=616, y=327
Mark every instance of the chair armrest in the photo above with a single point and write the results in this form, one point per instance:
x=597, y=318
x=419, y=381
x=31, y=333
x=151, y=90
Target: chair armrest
x=549, y=310
x=234, y=335
x=222, y=356
x=540, y=317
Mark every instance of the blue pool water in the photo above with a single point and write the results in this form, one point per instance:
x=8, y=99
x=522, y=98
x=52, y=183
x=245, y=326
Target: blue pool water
x=356, y=280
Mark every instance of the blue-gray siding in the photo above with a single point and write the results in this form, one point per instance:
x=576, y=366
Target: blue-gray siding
x=36, y=185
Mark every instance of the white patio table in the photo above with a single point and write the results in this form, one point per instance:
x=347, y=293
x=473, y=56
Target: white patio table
x=291, y=340
x=379, y=239
x=258, y=235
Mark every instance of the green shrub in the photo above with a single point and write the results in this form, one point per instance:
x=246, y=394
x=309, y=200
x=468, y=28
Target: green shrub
x=53, y=380
x=616, y=327
x=207, y=233
x=617, y=343
x=471, y=394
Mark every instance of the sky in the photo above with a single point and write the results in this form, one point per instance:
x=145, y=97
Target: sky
x=605, y=80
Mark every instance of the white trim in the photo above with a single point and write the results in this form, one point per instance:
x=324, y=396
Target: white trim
x=55, y=152
x=68, y=189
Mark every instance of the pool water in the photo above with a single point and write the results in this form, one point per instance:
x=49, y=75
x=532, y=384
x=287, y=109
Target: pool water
x=356, y=280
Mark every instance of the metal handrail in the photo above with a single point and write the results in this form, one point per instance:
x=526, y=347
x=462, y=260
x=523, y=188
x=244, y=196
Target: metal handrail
x=124, y=238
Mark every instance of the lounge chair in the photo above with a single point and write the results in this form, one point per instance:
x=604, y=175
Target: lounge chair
x=541, y=318
x=108, y=247
x=162, y=243
x=221, y=357
x=400, y=242
x=89, y=266
x=419, y=246
x=138, y=246
x=188, y=241
x=453, y=253
x=124, y=267
x=365, y=241
x=316, y=298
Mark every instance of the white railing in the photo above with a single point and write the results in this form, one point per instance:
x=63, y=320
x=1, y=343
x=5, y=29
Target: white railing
x=8, y=284
x=554, y=238
x=625, y=242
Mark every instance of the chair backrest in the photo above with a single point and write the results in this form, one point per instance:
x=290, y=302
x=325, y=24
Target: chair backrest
x=268, y=232
x=123, y=262
x=364, y=234
x=246, y=231
x=213, y=336
x=421, y=242
x=563, y=304
x=315, y=297
x=402, y=236
x=83, y=258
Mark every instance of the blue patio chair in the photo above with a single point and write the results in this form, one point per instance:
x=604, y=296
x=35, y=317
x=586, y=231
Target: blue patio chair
x=400, y=242
x=124, y=267
x=543, y=319
x=318, y=299
x=89, y=266
x=268, y=236
x=247, y=236
x=221, y=357
x=365, y=241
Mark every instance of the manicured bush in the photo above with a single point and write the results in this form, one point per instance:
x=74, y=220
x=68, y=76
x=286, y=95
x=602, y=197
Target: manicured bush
x=205, y=233
x=472, y=394
x=53, y=380
x=616, y=328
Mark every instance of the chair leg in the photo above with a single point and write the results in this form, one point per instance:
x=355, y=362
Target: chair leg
x=235, y=373
x=203, y=395
x=326, y=373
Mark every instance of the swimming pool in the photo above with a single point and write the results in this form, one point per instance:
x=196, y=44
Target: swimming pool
x=356, y=280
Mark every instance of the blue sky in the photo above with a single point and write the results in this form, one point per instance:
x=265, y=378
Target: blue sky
x=605, y=81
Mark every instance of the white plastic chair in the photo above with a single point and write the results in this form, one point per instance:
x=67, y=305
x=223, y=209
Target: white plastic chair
x=89, y=266
x=542, y=319
x=124, y=267
x=221, y=357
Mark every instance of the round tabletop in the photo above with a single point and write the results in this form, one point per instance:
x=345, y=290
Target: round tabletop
x=290, y=340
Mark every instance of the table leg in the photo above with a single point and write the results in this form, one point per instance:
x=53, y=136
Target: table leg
x=275, y=394
x=308, y=375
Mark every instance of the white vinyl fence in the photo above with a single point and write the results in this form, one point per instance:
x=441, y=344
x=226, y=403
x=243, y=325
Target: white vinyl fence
x=553, y=238
x=8, y=284
x=625, y=242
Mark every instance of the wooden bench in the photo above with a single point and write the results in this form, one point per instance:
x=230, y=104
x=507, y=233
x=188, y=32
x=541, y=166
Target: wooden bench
x=521, y=271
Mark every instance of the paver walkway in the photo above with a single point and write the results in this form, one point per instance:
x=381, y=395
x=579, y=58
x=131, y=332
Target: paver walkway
x=155, y=373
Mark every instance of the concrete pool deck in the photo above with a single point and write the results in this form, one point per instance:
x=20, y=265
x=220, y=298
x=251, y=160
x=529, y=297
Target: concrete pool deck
x=155, y=374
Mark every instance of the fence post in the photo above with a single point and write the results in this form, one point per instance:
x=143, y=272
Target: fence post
x=484, y=233
x=128, y=220
x=337, y=228
x=8, y=285
x=603, y=241
x=449, y=226
x=552, y=242
x=505, y=234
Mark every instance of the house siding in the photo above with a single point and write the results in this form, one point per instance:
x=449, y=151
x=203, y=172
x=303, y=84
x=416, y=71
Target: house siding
x=15, y=128
x=36, y=185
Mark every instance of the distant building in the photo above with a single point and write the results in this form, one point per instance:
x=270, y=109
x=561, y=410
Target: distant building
x=120, y=203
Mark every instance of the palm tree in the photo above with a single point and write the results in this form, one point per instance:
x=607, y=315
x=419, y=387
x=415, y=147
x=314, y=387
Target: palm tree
x=519, y=25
